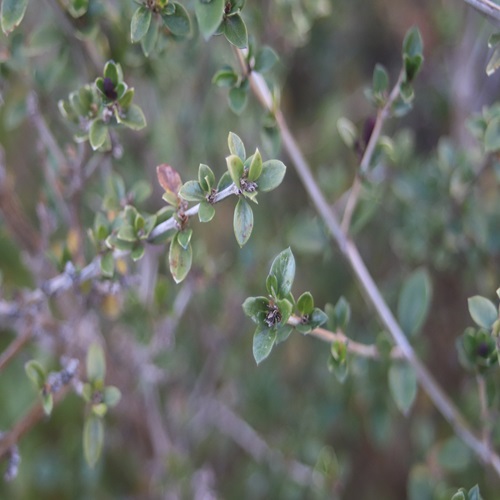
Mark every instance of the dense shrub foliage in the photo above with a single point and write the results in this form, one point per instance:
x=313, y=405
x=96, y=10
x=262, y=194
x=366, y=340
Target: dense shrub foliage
x=172, y=172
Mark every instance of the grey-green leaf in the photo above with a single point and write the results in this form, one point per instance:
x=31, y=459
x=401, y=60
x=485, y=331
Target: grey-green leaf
x=265, y=59
x=206, y=212
x=403, y=386
x=178, y=22
x=98, y=133
x=192, y=191
x=273, y=172
x=179, y=259
x=35, y=373
x=414, y=301
x=263, y=342
x=209, y=16
x=243, y=221
x=236, y=146
x=96, y=363
x=483, y=311
x=11, y=14
x=133, y=118
x=283, y=267
x=139, y=25
x=93, y=439
x=492, y=135
x=235, y=31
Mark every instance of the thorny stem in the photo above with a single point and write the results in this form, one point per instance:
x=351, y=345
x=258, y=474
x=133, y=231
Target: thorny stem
x=382, y=114
x=356, y=348
x=440, y=399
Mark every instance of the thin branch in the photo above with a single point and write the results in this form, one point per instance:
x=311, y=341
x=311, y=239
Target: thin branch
x=50, y=143
x=487, y=7
x=440, y=399
x=34, y=415
x=356, y=348
x=382, y=115
x=14, y=347
x=485, y=412
x=233, y=426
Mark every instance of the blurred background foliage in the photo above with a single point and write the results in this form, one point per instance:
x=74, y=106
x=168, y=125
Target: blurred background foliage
x=190, y=400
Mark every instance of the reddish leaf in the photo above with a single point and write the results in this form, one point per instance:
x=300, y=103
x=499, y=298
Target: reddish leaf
x=169, y=178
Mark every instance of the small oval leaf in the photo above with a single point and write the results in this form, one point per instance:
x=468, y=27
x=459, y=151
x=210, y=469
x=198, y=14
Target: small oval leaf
x=139, y=25
x=283, y=268
x=403, y=386
x=235, y=31
x=273, y=172
x=93, y=439
x=209, y=16
x=263, y=342
x=483, y=311
x=243, y=221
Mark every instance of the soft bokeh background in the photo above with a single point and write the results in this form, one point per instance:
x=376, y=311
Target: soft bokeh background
x=196, y=406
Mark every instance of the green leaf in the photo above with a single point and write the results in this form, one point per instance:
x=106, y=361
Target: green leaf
x=35, y=373
x=148, y=41
x=271, y=285
x=111, y=396
x=474, y=493
x=11, y=14
x=342, y=313
x=111, y=72
x=225, y=77
x=337, y=362
x=256, y=308
x=380, y=80
x=265, y=59
x=347, y=131
x=137, y=252
x=178, y=22
x=286, y=308
x=77, y=8
x=403, y=385
x=243, y=221
x=126, y=99
x=93, y=439
x=47, y=403
x=224, y=182
x=98, y=133
x=192, y=191
x=127, y=233
x=318, y=318
x=305, y=303
x=492, y=135
x=414, y=301
x=273, y=172
x=283, y=267
x=238, y=97
x=184, y=237
x=206, y=177
x=235, y=168
x=263, y=342
x=206, y=212
x=133, y=118
x=236, y=146
x=107, y=265
x=412, y=44
x=282, y=333
x=99, y=409
x=235, y=31
x=179, y=259
x=140, y=23
x=255, y=168
x=96, y=363
x=483, y=311
x=454, y=455
x=209, y=15
x=494, y=62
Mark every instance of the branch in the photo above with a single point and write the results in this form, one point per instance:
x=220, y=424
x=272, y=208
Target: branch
x=232, y=425
x=485, y=412
x=487, y=7
x=34, y=415
x=382, y=115
x=14, y=347
x=356, y=348
x=440, y=399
